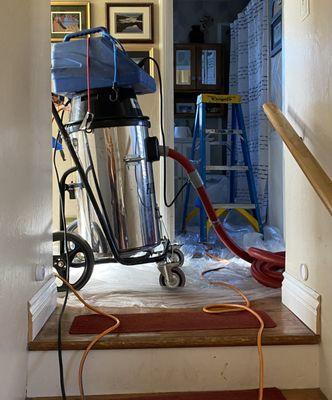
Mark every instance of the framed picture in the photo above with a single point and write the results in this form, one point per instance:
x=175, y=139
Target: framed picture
x=68, y=17
x=137, y=54
x=276, y=27
x=130, y=22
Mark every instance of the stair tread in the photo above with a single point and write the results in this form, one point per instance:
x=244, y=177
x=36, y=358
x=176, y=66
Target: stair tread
x=297, y=394
x=289, y=331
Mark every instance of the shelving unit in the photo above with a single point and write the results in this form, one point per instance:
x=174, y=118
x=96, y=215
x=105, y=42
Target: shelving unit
x=198, y=68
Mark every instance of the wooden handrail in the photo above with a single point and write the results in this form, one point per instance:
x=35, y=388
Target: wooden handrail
x=318, y=178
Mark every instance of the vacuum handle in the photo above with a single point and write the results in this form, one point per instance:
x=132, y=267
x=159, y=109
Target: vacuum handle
x=86, y=32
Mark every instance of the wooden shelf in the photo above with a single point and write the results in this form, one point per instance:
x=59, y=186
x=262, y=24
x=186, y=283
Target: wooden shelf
x=198, y=91
x=191, y=115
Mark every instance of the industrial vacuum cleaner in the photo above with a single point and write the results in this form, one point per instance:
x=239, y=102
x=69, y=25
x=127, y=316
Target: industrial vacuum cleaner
x=108, y=139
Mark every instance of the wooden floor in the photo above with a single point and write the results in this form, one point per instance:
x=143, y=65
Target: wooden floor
x=289, y=331
x=311, y=394
x=314, y=394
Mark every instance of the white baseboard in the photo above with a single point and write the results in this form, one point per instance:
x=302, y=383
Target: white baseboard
x=41, y=306
x=302, y=301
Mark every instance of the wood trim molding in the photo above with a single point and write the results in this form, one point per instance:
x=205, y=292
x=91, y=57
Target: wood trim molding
x=166, y=48
x=41, y=307
x=303, y=301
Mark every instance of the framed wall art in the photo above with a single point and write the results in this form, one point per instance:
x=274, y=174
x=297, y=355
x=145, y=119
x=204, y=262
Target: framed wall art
x=139, y=53
x=130, y=22
x=68, y=17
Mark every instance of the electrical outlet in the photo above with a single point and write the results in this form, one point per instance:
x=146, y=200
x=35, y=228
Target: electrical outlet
x=305, y=9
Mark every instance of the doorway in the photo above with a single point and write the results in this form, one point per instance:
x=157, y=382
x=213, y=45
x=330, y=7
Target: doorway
x=214, y=53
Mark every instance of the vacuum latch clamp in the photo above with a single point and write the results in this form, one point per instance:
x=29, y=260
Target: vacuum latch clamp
x=87, y=121
x=133, y=159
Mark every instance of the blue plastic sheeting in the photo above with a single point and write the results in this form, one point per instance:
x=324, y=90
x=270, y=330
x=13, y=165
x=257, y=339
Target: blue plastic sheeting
x=69, y=72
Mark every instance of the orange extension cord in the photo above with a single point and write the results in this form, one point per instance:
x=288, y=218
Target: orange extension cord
x=210, y=309
x=226, y=307
x=97, y=338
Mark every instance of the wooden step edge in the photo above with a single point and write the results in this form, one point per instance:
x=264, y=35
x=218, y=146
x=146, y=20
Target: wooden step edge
x=169, y=340
x=304, y=394
x=297, y=394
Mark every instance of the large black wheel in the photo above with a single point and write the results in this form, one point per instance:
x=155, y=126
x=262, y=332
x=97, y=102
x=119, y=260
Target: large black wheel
x=99, y=242
x=177, y=280
x=80, y=257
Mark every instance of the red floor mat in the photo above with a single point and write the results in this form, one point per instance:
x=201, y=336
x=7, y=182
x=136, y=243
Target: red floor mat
x=169, y=321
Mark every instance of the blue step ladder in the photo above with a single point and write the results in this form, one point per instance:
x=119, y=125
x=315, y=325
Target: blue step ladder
x=238, y=131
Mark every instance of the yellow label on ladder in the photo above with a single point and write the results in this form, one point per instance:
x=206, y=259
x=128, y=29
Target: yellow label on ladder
x=219, y=98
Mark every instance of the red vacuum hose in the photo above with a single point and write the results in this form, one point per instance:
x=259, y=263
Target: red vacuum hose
x=266, y=267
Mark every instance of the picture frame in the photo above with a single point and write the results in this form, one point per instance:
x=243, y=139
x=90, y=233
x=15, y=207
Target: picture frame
x=138, y=53
x=276, y=27
x=130, y=22
x=69, y=17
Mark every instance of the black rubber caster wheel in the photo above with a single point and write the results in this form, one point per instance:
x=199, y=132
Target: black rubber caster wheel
x=80, y=257
x=178, y=279
x=176, y=256
x=99, y=242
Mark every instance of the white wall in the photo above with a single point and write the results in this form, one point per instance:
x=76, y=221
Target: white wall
x=308, y=102
x=25, y=170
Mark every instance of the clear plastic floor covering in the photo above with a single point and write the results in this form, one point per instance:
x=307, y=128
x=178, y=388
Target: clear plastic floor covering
x=115, y=285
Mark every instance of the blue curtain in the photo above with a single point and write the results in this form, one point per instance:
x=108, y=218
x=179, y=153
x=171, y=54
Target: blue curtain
x=249, y=77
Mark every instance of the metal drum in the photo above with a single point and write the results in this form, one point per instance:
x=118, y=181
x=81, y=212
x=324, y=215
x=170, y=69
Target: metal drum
x=114, y=159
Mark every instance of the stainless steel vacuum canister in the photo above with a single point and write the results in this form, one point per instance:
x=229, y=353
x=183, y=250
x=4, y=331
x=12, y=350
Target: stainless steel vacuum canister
x=113, y=155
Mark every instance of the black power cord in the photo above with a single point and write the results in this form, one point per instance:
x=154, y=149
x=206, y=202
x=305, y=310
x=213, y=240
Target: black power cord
x=59, y=328
x=161, y=96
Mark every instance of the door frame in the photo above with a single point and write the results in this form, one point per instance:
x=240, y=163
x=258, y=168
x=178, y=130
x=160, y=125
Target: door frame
x=166, y=45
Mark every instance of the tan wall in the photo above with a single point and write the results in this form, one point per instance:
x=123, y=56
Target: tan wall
x=25, y=170
x=149, y=103
x=308, y=103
